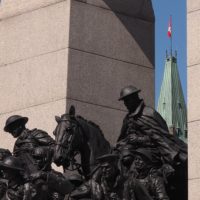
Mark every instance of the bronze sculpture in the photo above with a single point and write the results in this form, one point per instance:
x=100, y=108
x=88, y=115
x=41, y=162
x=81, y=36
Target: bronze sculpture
x=147, y=163
x=73, y=135
x=58, y=185
x=26, y=139
x=17, y=188
x=147, y=174
x=144, y=127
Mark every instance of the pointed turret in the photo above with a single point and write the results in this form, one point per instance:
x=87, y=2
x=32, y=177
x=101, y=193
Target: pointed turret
x=171, y=103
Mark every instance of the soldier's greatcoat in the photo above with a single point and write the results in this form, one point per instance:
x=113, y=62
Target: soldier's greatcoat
x=147, y=121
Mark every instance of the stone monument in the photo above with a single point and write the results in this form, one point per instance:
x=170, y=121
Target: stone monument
x=193, y=63
x=55, y=53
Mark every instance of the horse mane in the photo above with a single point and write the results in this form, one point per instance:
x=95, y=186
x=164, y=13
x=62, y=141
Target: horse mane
x=91, y=123
x=95, y=138
x=64, y=116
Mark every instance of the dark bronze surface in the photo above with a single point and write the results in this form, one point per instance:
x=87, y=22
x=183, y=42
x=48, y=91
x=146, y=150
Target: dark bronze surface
x=147, y=163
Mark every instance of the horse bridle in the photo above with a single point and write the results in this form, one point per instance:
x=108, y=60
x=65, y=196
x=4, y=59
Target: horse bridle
x=71, y=158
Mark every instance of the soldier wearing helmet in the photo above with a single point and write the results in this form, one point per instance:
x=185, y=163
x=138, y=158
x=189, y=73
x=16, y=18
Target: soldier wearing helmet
x=57, y=184
x=143, y=126
x=17, y=189
x=144, y=173
x=26, y=139
x=126, y=160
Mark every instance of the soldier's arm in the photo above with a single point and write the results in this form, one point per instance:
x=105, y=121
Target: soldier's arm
x=140, y=192
x=58, y=183
x=43, y=138
x=123, y=129
x=159, y=188
x=139, y=140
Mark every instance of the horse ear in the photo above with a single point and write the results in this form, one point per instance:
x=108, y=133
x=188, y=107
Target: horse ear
x=58, y=119
x=72, y=111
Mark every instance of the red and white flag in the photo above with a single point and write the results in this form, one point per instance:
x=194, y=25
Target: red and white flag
x=169, y=32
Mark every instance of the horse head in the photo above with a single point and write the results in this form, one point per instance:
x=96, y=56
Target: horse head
x=76, y=135
x=67, y=137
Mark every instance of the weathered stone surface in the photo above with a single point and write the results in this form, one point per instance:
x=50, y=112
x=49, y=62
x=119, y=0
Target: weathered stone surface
x=140, y=9
x=98, y=80
x=10, y=8
x=193, y=5
x=193, y=59
x=193, y=190
x=34, y=33
x=193, y=92
x=34, y=81
x=109, y=120
x=34, y=60
x=193, y=39
x=194, y=149
x=41, y=117
x=112, y=35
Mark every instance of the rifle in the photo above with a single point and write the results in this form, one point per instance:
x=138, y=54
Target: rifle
x=32, y=190
x=29, y=165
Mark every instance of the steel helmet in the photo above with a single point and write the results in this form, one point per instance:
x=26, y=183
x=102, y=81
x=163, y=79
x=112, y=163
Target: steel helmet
x=128, y=90
x=151, y=154
x=14, y=119
x=12, y=163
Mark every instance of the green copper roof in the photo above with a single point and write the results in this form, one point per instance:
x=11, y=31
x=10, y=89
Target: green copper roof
x=171, y=103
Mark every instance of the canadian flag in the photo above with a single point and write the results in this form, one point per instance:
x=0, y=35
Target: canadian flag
x=169, y=32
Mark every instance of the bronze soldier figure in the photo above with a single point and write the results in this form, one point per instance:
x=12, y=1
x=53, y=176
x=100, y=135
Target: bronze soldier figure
x=57, y=184
x=144, y=127
x=126, y=161
x=109, y=184
x=18, y=188
x=26, y=139
x=145, y=173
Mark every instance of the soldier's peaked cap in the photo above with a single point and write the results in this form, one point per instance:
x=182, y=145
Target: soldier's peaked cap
x=107, y=158
x=128, y=90
x=14, y=119
x=149, y=153
x=126, y=152
x=75, y=179
x=12, y=163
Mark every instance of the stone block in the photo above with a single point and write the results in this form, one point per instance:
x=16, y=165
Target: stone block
x=193, y=5
x=111, y=35
x=193, y=92
x=41, y=117
x=194, y=149
x=193, y=39
x=10, y=8
x=34, y=81
x=139, y=9
x=34, y=33
x=109, y=120
x=98, y=80
x=193, y=189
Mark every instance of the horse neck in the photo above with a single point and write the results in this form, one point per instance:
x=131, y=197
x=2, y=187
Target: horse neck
x=85, y=153
x=92, y=146
x=95, y=141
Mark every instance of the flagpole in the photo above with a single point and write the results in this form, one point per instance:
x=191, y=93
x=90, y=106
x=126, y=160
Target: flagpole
x=171, y=35
x=171, y=46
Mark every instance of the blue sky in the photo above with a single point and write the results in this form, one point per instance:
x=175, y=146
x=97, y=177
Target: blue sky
x=163, y=9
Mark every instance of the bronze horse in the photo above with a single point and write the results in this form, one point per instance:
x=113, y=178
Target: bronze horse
x=75, y=135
